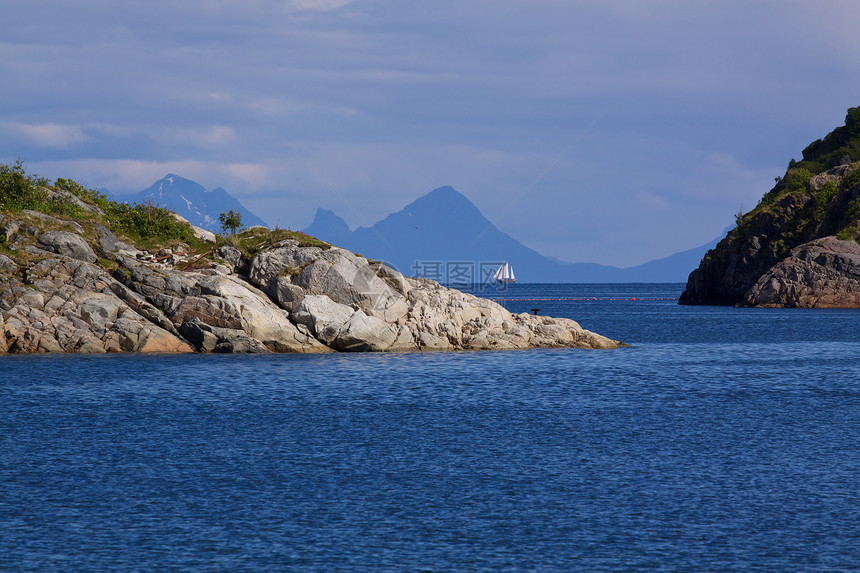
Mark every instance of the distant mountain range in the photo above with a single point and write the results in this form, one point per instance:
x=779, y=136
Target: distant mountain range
x=443, y=236
x=192, y=201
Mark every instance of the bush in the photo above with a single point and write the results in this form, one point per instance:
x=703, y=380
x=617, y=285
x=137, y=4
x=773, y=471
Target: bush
x=852, y=122
x=797, y=179
x=141, y=222
x=231, y=221
x=17, y=189
x=823, y=198
x=147, y=222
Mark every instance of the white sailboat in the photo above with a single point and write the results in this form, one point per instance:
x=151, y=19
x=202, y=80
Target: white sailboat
x=505, y=274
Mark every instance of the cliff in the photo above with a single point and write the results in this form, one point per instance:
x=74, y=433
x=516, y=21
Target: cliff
x=71, y=284
x=798, y=247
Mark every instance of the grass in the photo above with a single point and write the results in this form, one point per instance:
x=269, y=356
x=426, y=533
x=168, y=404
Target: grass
x=253, y=241
x=145, y=225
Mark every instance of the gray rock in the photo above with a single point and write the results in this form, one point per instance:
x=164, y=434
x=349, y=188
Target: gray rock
x=234, y=257
x=111, y=244
x=68, y=244
x=199, y=334
x=203, y=234
x=343, y=328
x=63, y=195
x=280, y=261
x=53, y=220
x=229, y=254
x=349, y=280
x=364, y=333
x=10, y=229
x=6, y=263
x=288, y=295
x=824, y=273
x=207, y=338
x=324, y=317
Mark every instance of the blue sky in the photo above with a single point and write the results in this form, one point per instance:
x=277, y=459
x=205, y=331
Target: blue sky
x=612, y=131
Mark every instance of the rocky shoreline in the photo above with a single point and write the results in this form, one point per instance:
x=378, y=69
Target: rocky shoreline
x=60, y=292
x=747, y=269
x=800, y=246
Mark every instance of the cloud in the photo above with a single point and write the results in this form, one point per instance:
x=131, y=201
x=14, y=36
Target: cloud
x=50, y=135
x=697, y=106
x=131, y=175
x=205, y=137
x=319, y=5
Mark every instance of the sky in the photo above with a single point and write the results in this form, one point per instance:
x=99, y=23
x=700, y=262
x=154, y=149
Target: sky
x=611, y=131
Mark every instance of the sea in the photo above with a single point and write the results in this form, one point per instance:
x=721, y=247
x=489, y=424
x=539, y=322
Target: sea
x=721, y=439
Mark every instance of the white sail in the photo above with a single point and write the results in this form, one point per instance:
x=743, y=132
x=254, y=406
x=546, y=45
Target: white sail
x=505, y=274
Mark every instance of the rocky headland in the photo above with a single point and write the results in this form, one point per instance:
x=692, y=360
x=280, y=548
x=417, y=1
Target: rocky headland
x=74, y=285
x=799, y=246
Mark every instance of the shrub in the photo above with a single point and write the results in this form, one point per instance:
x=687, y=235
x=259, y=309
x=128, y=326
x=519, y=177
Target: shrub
x=231, y=221
x=17, y=189
x=823, y=198
x=852, y=122
x=797, y=179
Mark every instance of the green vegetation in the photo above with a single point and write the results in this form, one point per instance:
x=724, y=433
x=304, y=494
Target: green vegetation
x=804, y=211
x=145, y=225
x=253, y=241
x=840, y=146
x=818, y=196
x=21, y=191
x=231, y=221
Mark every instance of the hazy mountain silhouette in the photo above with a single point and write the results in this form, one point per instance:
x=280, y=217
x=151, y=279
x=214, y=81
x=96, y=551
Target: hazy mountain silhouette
x=442, y=235
x=192, y=201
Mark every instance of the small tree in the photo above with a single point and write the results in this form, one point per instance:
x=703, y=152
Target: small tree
x=231, y=220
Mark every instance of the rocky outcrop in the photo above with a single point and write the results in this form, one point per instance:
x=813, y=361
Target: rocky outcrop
x=796, y=247
x=68, y=244
x=294, y=298
x=68, y=305
x=199, y=232
x=824, y=273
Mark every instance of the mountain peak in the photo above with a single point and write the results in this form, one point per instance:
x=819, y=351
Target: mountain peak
x=446, y=193
x=443, y=203
x=191, y=200
x=443, y=233
x=328, y=227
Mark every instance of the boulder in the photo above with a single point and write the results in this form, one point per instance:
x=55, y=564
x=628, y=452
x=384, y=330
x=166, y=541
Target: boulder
x=343, y=328
x=68, y=244
x=3, y=347
x=203, y=234
x=348, y=279
x=233, y=258
x=324, y=317
x=135, y=334
x=824, y=273
x=7, y=264
x=111, y=244
x=207, y=338
x=284, y=259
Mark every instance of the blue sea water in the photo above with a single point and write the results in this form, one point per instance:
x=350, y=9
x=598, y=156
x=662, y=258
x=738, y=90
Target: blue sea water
x=723, y=439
